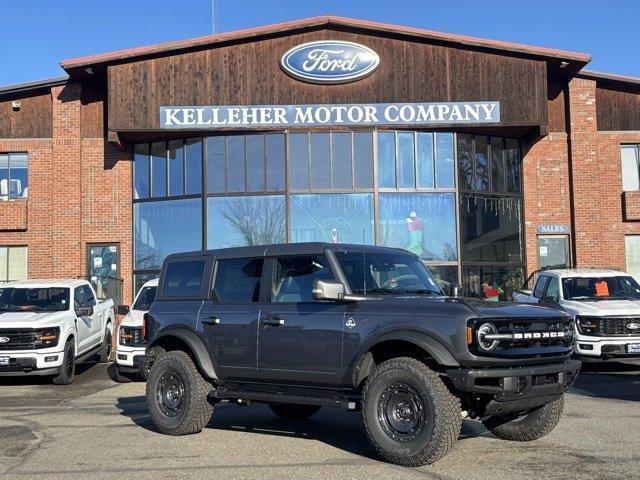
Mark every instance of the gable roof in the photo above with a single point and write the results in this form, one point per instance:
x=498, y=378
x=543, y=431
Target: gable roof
x=175, y=47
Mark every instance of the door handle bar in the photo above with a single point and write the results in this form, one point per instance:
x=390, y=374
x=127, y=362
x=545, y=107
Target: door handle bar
x=211, y=321
x=274, y=321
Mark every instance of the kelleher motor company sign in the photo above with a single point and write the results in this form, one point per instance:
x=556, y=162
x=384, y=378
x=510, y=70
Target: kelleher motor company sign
x=265, y=116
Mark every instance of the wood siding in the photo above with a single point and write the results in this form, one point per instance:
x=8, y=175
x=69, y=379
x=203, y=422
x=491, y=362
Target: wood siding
x=32, y=120
x=249, y=73
x=618, y=109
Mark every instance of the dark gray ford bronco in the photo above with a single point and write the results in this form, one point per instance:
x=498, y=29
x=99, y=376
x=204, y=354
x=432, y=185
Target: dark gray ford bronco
x=302, y=326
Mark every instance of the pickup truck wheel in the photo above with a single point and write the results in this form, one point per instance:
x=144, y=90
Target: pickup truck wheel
x=411, y=417
x=530, y=426
x=290, y=411
x=68, y=368
x=105, y=349
x=177, y=395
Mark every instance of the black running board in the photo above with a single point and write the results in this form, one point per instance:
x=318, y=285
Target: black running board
x=266, y=397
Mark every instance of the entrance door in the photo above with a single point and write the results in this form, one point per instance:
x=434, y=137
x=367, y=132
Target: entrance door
x=104, y=269
x=553, y=250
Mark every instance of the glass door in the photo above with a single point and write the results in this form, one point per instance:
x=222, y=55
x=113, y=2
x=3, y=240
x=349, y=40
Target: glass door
x=103, y=268
x=553, y=250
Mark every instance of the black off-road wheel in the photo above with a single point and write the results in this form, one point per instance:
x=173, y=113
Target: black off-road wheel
x=528, y=426
x=68, y=368
x=105, y=349
x=411, y=417
x=290, y=411
x=177, y=395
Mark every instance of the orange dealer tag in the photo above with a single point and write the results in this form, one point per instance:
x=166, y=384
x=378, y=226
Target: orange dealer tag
x=602, y=289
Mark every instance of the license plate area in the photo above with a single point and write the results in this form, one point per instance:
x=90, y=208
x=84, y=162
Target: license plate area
x=633, y=348
x=4, y=361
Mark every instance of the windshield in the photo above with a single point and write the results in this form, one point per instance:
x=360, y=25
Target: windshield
x=34, y=299
x=381, y=273
x=145, y=298
x=600, y=288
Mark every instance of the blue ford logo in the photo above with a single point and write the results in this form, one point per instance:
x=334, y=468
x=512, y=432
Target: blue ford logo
x=329, y=61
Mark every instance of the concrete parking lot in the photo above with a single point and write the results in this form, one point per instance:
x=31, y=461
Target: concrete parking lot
x=96, y=428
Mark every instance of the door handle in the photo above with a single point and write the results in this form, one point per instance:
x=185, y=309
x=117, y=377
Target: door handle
x=274, y=321
x=212, y=320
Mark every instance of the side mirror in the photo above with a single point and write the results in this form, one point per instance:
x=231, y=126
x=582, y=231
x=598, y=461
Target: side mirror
x=122, y=309
x=328, y=290
x=454, y=290
x=84, y=311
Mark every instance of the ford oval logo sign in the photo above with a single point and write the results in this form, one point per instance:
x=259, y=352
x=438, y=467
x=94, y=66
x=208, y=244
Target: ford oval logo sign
x=633, y=326
x=329, y=61
x=4, y=339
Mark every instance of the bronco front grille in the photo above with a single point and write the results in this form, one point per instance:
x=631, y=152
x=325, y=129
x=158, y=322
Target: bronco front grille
x=609, y=326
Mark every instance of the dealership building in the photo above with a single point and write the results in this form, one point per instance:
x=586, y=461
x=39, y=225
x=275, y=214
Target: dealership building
x=487, y=159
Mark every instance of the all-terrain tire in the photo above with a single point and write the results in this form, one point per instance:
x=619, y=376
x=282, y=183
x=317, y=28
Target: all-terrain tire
x=532, y=426
x=104, y=355
x=194, y=410
x=439, y=428
x=68, y=368
x=291, y=411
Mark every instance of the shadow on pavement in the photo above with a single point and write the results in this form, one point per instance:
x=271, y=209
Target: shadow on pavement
x=42, y=380
x=332, y=426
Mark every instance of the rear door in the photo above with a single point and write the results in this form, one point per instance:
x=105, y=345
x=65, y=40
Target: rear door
x=229, y=319
x=299, y=338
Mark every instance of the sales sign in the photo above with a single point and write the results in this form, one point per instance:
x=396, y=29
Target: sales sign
x=265, y=116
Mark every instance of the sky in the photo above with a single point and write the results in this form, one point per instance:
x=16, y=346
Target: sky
x=38, y=34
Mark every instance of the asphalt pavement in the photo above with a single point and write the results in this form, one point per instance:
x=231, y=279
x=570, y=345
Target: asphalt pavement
x=97, y=429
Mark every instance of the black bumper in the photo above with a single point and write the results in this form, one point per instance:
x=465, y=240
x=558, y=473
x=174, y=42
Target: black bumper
x=517, y=383
x=20, y=367
x=138, y=364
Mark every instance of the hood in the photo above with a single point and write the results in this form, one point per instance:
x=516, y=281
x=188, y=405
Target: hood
x=30, y=319
x=603, y=307
x=134, y=318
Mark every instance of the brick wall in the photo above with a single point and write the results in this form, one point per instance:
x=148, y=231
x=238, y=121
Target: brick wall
x=79, y=193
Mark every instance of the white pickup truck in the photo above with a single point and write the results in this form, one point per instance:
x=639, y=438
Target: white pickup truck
x=46, y=326
x=605, y=305
x=130, y=349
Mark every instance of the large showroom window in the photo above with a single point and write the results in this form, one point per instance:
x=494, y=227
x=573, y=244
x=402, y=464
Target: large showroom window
x=394, y=188
x=490, y=206
x=13, y=264
x=14, y=176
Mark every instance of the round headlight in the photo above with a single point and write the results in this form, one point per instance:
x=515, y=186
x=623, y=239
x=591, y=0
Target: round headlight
x=486, y=329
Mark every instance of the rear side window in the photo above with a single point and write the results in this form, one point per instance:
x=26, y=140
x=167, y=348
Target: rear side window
x=541, y=284
x=238, y=280
x=88, y=295
x=183, y=279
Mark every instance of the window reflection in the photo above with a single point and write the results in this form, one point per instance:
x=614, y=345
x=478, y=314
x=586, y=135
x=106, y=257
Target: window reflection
x=363, y=159
x=386, y=160
x=158, y=169
x=299, y=160
x=275, y=161
x=245, y=220
x=341, y=175
x=14, y=177
x=165, y=227
x=444, y=160
x=491, y=228
x=423, y=223
x=497, y=165
x=255, y=163
x=193, y=166
x=482, y=163
x=141, y=171
x=215, y=149
x=424, y=156
x=406, y=172
x=176, y=168
x=235, y=164
x=320, y=160
x=491, y=282
x=336, y=218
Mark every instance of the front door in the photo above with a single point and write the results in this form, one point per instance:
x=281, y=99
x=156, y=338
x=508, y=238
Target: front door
x=299, y=338
x=84, y=324
x=104, y=269
x=553, y=250
x=229, y=321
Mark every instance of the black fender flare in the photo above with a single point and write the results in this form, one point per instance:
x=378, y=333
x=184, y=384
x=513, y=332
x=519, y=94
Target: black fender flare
x=195, y=343
x=433, y=347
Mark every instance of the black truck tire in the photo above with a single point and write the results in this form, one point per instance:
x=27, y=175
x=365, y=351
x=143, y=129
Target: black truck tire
x=104, y=355
x=291, y=411
x=410, y=416
x=177, y=395
x=525, y=428
x=68, y=368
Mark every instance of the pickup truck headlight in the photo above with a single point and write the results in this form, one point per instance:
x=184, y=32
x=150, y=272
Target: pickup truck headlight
x=586, y=325
x=47, y=337
x=132, y=337
x=487, y=330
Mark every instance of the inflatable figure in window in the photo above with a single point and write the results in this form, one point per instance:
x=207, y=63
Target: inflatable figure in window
x=415, y=225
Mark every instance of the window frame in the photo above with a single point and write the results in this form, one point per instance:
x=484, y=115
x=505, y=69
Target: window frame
x=8, y=249
x=636, y=148
x=9, y=197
